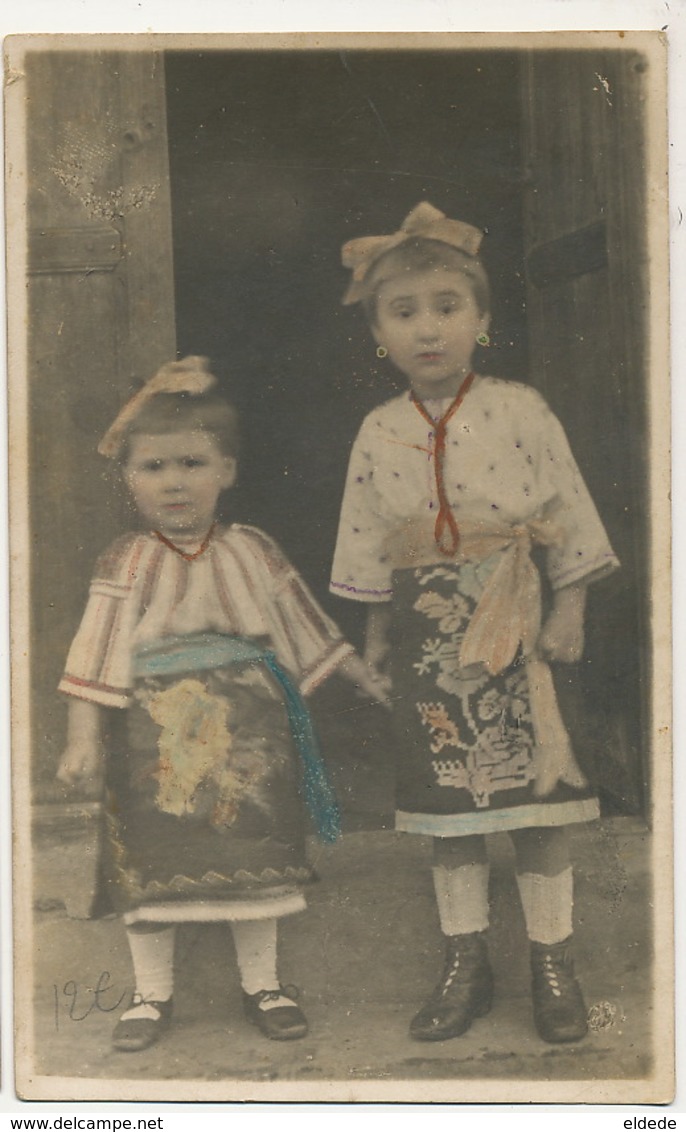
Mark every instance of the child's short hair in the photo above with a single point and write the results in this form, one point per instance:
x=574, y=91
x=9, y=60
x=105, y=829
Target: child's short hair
x=422, y=254
x=181, y=412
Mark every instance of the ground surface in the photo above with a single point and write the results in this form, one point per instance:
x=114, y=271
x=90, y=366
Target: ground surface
x=365, y=954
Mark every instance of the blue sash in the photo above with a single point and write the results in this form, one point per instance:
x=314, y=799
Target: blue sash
x=176, y=655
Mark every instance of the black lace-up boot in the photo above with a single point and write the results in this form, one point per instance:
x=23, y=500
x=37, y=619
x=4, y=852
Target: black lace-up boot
x=559, y=1009
x=464, y=993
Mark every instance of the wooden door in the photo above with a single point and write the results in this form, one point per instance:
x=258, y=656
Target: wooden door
x=585, y=237
x=100, y=317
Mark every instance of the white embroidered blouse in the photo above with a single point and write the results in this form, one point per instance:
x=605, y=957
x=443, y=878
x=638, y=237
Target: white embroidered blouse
x=506, y=458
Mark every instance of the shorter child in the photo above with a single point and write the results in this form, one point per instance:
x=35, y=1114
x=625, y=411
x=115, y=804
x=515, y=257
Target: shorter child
x=203, y=634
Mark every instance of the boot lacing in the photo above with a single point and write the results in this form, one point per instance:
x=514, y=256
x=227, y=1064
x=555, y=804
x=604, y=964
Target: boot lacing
x=551, y=975
x=451, y=975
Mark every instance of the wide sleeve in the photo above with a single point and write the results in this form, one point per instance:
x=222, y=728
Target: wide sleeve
x=362, y=567
x=98, y=667
x=306, y=641
x=583, y=551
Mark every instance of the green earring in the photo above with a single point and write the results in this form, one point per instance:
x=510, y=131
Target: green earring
x=483, y=339
x=381, y=352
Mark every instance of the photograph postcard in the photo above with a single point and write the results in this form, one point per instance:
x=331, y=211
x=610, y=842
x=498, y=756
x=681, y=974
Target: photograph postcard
x=339, y=441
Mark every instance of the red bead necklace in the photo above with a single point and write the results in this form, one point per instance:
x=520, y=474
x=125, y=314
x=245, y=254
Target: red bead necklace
x=196, y=553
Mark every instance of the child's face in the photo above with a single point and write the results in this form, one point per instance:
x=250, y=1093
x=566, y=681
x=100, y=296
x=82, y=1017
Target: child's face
x=176, y=479
x=428, y=322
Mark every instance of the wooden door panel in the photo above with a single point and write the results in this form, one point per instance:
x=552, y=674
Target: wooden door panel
x=100, y=317
x=584, y=223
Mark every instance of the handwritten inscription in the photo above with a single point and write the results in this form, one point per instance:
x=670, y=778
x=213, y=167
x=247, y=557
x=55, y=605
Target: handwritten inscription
x=76, y=1001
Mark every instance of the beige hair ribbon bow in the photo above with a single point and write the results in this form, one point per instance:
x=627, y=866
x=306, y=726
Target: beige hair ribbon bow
x=425, y=221
x=190, y=375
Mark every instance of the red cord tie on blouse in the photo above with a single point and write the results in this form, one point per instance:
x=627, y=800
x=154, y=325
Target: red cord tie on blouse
x=445, y=518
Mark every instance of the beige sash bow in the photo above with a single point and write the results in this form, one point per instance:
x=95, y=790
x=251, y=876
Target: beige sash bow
x=507, y=617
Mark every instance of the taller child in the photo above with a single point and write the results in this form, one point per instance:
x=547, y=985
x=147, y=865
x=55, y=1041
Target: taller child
x=450, y=486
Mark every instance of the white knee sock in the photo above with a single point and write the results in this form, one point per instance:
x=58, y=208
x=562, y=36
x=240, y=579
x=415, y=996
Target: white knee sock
x=152, y=954
x=462, y=897
x=547, y=905
x=255, y=942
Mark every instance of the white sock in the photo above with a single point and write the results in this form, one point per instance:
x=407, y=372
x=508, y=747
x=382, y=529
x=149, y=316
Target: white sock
x=547, y=905
x=255, y=942
x=462, y=897
x=152, y=954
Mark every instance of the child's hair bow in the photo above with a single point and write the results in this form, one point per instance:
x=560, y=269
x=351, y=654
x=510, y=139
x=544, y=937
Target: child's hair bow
x=190, y=375
x=423, y=221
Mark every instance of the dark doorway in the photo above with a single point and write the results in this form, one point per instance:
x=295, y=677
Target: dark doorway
x=276, y=160
x=278, y=157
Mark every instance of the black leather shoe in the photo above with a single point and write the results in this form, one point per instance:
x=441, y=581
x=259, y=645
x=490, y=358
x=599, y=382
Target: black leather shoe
x=280, y=1023
x=464, y=993
x=136, y=1033
x=559, y=1009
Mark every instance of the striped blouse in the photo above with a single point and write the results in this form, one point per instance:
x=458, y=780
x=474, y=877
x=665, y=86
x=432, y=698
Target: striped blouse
x=242, y=584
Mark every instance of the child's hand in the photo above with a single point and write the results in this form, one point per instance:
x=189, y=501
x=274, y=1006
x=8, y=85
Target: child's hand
x=376, y=685
x=81, y=763
x=368, y=681
x=562, y=636
x=561, y=639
